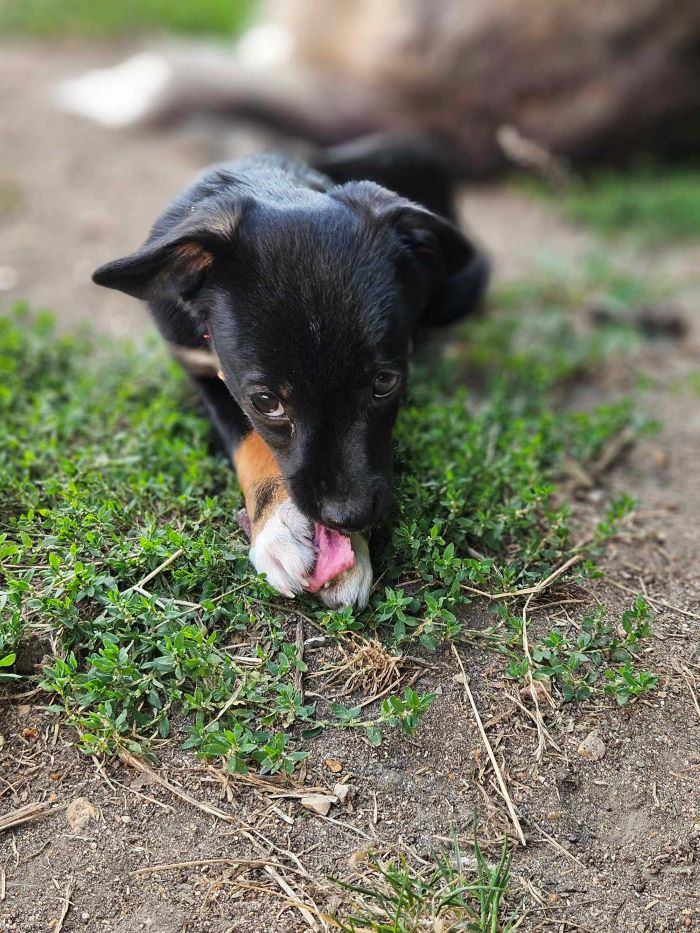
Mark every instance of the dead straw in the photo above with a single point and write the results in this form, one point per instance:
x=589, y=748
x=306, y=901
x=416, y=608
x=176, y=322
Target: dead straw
x=489, y=750
x=29, y=813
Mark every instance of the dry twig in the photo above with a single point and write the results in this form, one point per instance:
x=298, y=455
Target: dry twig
x=490, y=753
x=28, y=813
x=66, y=906
x=133, y=762
x=529, y=590
x=690, y=681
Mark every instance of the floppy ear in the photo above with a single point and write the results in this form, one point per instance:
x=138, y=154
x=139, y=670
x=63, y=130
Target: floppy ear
x=170, y=266
x=446, y=269
x=457, y=272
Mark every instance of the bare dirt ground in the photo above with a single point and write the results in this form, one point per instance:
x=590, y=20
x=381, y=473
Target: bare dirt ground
x=612, y=845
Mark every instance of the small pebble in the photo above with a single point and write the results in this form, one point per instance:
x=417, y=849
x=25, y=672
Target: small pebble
x=79, y=813
x=318, y=803
x=593, y=747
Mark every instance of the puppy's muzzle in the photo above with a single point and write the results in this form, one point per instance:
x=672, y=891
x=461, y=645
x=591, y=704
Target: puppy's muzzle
x=355, y=512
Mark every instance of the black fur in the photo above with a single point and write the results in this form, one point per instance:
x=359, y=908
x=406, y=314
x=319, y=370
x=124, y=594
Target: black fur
x=307, y=289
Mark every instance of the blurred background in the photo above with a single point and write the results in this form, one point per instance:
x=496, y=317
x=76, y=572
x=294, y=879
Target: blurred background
x=574, y=117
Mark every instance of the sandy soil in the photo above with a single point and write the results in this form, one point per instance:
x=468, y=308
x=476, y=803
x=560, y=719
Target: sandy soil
x=612, y=845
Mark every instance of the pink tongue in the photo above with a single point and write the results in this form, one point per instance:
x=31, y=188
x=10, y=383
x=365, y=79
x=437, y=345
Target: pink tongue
x=335, y=555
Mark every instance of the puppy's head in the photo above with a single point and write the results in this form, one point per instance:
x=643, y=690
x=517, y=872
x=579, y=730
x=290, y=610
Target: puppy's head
x=311, y=305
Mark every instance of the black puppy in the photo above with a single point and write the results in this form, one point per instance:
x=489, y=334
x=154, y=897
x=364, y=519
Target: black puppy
x=293, y=301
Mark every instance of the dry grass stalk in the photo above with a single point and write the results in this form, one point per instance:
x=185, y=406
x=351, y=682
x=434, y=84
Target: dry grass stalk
x=310, y=910
x=133, y=762
x=304, y=909
x=526, y=152
x=295, y=899
x=201, y=862
x=371, y=667
x=298, y=673
x=489, y=751
x=613, y=450
x=530, y=590
x=28, y=813
x=276, y=788
x=558, y=846
x=654, y=601
x=347, y=826
x=543, y=736
x=232, y=700
x=159, y=569
x=586, y=478
x=691, y=683
x=65, y=907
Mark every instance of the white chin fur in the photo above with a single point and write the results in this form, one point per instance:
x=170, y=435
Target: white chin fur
x=284, y=550
x=351, y=588
x=117, y=96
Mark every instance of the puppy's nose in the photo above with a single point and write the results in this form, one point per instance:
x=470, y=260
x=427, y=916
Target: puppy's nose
x=351, y=514
x=337, y=515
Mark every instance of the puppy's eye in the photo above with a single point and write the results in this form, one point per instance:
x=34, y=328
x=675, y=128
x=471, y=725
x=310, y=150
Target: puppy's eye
x=267, y=404
x=385, y=382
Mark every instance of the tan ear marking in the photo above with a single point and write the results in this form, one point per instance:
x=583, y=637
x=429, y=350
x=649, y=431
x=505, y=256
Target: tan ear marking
x=195, y=255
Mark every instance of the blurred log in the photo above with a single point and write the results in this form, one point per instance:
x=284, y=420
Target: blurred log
x=584, y=82
x=494, y=82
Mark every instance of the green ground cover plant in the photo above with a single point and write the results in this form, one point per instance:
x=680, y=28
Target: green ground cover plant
x=120, y=553
x=599, y=658
x=651, y=204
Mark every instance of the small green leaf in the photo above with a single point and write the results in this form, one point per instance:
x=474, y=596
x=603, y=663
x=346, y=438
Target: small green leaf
x=374, y=736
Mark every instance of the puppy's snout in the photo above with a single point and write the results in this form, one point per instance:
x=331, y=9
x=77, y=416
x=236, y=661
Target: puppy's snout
x=355, y=513
x=343, y=516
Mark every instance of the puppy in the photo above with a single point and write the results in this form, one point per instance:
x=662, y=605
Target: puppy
x=293, y=301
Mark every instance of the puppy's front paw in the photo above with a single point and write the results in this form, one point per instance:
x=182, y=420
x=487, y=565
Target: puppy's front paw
x=283, y=549
x=352, y=587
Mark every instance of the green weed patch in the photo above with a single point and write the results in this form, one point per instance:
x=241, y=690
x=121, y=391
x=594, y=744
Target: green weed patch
x=392, y=896
x=119, y=548
x=648, y=204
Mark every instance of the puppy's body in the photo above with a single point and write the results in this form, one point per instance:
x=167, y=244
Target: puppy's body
x=304, y=295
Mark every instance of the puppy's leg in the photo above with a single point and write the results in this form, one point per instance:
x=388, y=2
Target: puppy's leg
x=282, y=539
x=411, y=165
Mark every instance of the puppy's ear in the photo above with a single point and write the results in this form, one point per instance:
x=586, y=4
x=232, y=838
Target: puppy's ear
x=443, y=265
x=172, y=265
x=457, y=273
